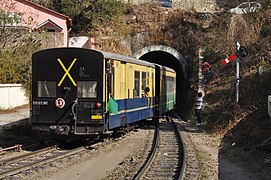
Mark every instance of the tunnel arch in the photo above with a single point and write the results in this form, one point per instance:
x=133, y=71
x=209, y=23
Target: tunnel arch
x=170, y=57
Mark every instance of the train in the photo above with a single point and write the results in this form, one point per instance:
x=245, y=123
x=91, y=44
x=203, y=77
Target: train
x=80, y=93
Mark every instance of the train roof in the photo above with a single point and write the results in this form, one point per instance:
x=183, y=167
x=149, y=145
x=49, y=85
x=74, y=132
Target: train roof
x=166, y=68
x=109, y=55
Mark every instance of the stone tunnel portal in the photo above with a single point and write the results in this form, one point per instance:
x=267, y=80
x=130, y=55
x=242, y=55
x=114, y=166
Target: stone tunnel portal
x=169, y=57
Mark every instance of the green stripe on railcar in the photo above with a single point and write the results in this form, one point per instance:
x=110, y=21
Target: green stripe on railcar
x=168, y=104
x=171, y=100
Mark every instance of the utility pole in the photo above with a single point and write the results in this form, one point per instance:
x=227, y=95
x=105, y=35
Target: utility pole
x=237, y=72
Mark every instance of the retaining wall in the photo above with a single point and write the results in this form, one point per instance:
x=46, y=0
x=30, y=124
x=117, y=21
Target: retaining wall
x=12, y=95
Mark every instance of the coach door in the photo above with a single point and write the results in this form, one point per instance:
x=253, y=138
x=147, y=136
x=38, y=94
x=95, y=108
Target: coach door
x=66, y=87
x=123, y=93
x=54, y=85
x=89, y=108
x=79, y=89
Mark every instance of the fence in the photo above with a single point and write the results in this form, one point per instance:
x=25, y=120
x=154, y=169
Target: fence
x=12, y=95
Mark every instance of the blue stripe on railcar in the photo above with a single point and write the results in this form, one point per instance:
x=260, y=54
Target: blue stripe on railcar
x=133, y=110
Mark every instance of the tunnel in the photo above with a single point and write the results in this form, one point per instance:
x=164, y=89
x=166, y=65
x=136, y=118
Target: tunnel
x=171, y=58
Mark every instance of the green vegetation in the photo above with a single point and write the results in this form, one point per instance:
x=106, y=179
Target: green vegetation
x=87, y=16
x=15, y=65
x=16, y=48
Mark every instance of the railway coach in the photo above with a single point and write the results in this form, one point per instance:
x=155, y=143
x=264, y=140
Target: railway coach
x=165, y=87
x=84, y=93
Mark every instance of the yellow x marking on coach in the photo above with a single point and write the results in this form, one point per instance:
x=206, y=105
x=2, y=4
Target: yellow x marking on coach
x=66, y=72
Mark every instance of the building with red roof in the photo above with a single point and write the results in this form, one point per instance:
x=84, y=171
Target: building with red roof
x=26, y=14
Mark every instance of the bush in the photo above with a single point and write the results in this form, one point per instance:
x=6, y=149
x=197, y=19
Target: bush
x=15, y=58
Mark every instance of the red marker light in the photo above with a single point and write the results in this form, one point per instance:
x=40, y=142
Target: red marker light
x=60, y=103
x=98, y=105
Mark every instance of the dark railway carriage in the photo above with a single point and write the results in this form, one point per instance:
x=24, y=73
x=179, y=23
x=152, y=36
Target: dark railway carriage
x=67, y=91
x=82, y=92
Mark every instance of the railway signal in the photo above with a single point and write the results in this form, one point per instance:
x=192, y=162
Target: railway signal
x=229, y=59
x=241, y=51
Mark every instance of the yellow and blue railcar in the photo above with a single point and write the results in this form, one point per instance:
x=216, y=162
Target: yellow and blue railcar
x=132, y=86
x=165, y=89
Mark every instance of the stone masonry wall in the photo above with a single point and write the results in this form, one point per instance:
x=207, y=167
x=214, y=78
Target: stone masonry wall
x=198, y=5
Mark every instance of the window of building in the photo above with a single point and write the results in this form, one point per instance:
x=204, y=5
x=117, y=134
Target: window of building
x=51, y=30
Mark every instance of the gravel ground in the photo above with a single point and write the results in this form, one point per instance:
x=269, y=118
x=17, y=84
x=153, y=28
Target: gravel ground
x=204, y=159
x=112, y=159
x=120, y=158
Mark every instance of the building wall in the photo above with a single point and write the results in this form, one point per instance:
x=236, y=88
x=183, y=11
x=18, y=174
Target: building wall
x=32, y=16
x=12, y=95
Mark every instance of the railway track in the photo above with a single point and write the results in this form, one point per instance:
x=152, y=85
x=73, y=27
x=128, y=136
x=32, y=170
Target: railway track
x=18, y=164
x=166, y=159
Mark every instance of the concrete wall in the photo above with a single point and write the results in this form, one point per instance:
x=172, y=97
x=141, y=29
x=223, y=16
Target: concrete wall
x=12, y=95
x=198, y=5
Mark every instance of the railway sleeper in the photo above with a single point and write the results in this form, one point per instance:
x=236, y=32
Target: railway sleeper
x=160, y=174
x=166, y=150
x=166, y=166
x=169, y=157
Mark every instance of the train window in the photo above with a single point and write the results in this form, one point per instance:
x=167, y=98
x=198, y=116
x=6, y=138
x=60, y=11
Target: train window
x=170, y=84
x=137, y=85
x=110, y=71
x=87, y=89
x=46, y=89
x=144, y=80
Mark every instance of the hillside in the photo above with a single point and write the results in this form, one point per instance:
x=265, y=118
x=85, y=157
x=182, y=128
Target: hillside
x=245, y=127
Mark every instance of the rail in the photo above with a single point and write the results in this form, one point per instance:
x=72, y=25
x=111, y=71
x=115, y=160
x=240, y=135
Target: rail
x=27, y=161
x=167, y=155
x=17, y=147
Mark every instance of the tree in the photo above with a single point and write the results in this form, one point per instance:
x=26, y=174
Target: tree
x=86, y=14
x=16, y=47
